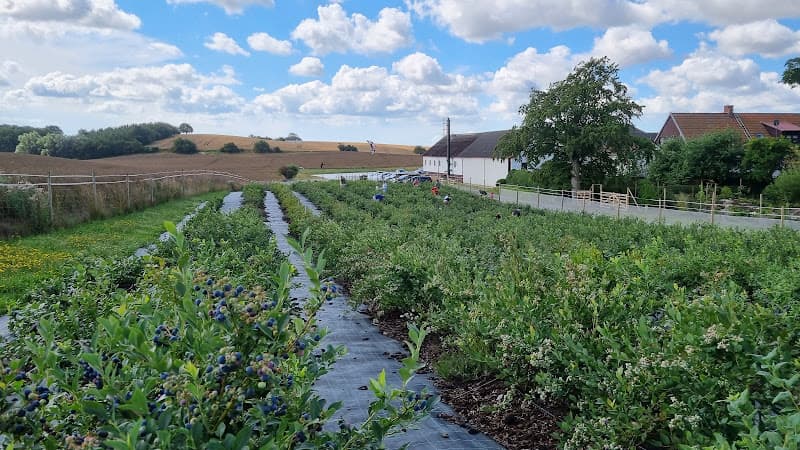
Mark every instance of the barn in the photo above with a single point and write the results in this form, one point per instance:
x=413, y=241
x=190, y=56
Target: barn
x=471, y=158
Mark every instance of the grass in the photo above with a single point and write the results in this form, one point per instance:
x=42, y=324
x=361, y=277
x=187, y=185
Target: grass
x=26, y=261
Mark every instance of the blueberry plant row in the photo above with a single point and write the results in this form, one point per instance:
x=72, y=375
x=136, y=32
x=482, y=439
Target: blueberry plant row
x=197, y=346
x=653, y=335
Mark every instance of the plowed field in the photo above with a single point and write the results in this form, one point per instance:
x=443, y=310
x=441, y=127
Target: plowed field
x=259, y=167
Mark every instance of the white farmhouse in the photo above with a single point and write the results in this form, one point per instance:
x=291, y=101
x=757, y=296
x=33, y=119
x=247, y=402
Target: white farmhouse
x=471, y=158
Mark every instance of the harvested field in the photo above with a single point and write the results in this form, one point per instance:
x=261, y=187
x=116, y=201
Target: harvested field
x=259, y=167
x=213, y=142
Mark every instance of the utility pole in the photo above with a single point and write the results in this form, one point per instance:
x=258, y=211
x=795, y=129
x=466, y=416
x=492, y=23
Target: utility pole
x=448, y=147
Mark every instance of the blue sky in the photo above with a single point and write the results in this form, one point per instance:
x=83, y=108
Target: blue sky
x=353, y=70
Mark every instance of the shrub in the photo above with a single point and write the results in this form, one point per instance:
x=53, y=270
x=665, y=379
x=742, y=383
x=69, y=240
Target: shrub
x=262, y=147
x=184, y=146
x=418, y=150
x=230, y=147
x=347, y=148
x=289, y=171
x=276, y=149
x=785, y=189
x=502, y=181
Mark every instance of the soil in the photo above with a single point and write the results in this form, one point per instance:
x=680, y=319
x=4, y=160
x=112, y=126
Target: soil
x=516, y=426
x=213, y=142
x=257, y=167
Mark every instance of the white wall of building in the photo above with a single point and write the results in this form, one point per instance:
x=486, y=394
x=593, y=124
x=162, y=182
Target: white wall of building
x=438, y=164
x=484, y=171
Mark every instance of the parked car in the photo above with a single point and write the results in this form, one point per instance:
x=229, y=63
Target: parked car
x=419, y=179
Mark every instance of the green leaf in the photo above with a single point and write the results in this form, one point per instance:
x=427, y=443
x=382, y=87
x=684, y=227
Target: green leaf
x=171, y=228
x=191, y=369
x=782, y=396
x=137, y=404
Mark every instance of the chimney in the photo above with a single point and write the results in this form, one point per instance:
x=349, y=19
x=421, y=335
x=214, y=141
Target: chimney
x=728, y=109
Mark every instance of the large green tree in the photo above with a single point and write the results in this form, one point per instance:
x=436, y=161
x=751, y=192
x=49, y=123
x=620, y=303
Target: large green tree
x=584, y=120
x=791, y=75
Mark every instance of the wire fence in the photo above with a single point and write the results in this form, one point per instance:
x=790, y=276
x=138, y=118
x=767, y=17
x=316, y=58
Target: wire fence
x=31, y=203
x=724, y=212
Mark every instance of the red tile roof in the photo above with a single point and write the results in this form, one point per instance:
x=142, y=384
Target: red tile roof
x=749, y=125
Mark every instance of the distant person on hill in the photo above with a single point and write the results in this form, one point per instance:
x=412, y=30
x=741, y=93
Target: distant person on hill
x=342, y=181
x=435, y=191
x=378, y=197
x=516, y=212
x=385, y=187
x=322, y=164
x=446, y=199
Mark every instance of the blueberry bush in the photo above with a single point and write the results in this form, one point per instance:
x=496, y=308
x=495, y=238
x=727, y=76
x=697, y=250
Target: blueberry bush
x=647, y=335
x=197, y=346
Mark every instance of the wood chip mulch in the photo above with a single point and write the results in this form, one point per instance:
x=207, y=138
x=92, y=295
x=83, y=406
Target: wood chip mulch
x=516, y=426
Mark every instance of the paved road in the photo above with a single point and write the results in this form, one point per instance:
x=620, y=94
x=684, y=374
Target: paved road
x=368, y=354
x=649, y=214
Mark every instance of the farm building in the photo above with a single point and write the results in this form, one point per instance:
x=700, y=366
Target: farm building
x=471, y=158
x=750, y=125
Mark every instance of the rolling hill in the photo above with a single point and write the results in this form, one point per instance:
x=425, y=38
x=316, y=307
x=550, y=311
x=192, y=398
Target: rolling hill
x=213, y=142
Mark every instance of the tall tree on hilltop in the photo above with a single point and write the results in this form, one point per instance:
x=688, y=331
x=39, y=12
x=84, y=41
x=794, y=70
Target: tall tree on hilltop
x=584, y=120
x=791, y=75
x=185, y=128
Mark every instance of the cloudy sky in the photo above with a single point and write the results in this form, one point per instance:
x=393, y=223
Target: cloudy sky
x=388, y=71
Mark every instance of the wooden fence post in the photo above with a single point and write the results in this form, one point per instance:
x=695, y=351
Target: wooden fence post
x=50, y=196
x=94, y=190
x=713, y=203
x=517, y=191
x=760, y=204
x=619, y=205
x=562, y=199
x=781, y=216
x=128, y=186
x=538, y=196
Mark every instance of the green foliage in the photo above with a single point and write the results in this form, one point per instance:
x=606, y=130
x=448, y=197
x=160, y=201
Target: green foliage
x=715, y=156
x=23, y=207
x=253, y=195
x=230, y=147
x=9, y=135
x=551, y=174
x=35, y=144
x=762, y=157
x=641, y=331
x=29, y=144
x=276, y=149
x=418, y=150
x=183, y=359
x=185, y=128
x=669, y=165
x=184, y=146
x=785, y=190
x=289, y=171
x=347, y=148
x=262, y=147
x=292, y=137
x=583, y=120
x=791, y=75
x=113, y=141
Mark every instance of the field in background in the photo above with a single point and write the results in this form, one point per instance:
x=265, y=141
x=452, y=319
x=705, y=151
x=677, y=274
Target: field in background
x=213, y=142
x=257, y=167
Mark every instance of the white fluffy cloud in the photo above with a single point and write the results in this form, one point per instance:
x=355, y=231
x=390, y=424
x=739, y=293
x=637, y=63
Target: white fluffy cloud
x=263, y=42
x=221, y=42
x=172, y=87
x=630, y=45
x=766, y=37
x=511, y=84
x=375, y=91
x=308, y=67
x=333, y=31
x=7, y=70
x=482, y=20
x=230, y=6
x=420, y=68
x=89, y=13
x=705, y=81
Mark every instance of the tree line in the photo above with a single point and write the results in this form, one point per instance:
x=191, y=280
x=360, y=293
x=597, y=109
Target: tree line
x=100, y=143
